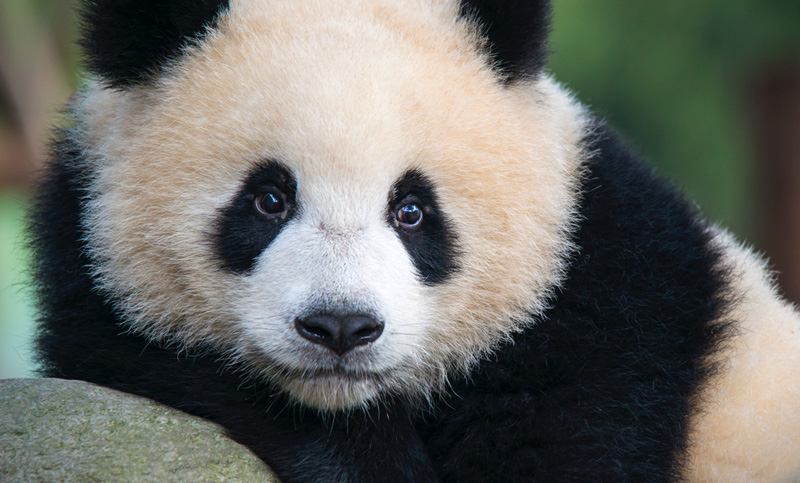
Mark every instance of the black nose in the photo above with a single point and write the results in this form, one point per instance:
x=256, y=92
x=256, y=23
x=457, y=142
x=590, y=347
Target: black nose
x=339, y=332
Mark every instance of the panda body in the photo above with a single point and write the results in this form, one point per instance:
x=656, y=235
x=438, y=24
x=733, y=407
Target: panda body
x=375, y=242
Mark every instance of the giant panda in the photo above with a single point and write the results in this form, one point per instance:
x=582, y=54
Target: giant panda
x=376, y=241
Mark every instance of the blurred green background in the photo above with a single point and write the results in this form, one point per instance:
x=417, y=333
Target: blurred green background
x=709, y=91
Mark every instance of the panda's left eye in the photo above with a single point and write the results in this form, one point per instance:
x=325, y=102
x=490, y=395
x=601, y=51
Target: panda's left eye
x=409, y=215
x=271, y=204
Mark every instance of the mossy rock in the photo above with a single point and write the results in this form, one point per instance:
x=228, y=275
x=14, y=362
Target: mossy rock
x=59, y=430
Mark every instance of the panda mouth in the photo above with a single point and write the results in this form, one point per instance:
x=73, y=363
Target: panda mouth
x=354, y=366
x=335, y=373
x=334, y=376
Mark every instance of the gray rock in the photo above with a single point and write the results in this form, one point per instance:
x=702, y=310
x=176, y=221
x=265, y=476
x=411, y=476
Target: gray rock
x=58, y=430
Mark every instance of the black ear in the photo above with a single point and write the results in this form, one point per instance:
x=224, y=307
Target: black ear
x=129, y=41
x=516, y=31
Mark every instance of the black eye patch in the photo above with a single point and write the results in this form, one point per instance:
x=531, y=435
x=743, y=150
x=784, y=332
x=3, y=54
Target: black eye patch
x=430, y=241
x=243, y=230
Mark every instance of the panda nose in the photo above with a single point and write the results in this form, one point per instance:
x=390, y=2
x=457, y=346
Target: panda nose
x=339, y=332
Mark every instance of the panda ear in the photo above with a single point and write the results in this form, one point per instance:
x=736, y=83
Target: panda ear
x=128, y=41
x=516, y=33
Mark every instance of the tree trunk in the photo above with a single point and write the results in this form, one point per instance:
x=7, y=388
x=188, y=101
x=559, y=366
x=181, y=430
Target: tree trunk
x=775, y=104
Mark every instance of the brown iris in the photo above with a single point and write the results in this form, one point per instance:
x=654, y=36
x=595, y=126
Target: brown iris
x=271, y=204
x=409, y=215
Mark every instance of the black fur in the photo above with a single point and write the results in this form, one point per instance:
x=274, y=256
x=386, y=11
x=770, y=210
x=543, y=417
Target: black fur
x=129, y=41
x=242, y=234
x=599, y=390
x=432, y=245
x=516, y=32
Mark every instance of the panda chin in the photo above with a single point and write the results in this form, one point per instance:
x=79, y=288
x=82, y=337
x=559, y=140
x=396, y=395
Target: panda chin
x=324, y=382
x=331, y=389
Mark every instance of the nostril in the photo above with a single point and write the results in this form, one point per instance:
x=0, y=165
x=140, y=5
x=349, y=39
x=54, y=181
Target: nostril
x=317, y=332
x=339, y=332
x=363, y=333
x=362, y=329
x=319, y=329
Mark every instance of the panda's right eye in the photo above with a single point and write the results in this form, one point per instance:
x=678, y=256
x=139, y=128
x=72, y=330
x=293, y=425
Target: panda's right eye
x=409, y=215
x=271, y=204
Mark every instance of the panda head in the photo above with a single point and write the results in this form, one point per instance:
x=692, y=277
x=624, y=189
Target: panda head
x=349, y=199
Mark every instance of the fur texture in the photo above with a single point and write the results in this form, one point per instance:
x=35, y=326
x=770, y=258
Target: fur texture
x=242, y=234
x=748, y=424
x=515, y=33
x=606, y=378
x=420, y=58
x=560, y=312
x=129, y=41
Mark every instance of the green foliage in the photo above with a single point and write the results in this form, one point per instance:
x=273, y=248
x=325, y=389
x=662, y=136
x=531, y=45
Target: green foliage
x=672, y=76
x=16, y=308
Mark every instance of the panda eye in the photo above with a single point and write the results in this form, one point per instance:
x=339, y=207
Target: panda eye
x=409, y=215
x=271, y=204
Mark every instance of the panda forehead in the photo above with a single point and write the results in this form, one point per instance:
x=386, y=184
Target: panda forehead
x=320, y=25
x=300, y=47
x=327, y=70
x=339, y=93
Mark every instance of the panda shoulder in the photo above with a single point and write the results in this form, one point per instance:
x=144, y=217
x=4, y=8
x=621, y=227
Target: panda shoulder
x=747, y=424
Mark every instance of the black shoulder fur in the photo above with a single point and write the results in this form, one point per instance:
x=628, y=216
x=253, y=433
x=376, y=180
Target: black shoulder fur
x=600, y=389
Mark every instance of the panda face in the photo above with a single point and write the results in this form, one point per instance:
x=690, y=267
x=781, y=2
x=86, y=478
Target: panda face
x=343, y=197
x=333, y=279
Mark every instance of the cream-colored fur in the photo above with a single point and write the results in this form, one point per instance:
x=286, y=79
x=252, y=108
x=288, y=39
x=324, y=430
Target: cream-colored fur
x=749, y=426
x=354, y=93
